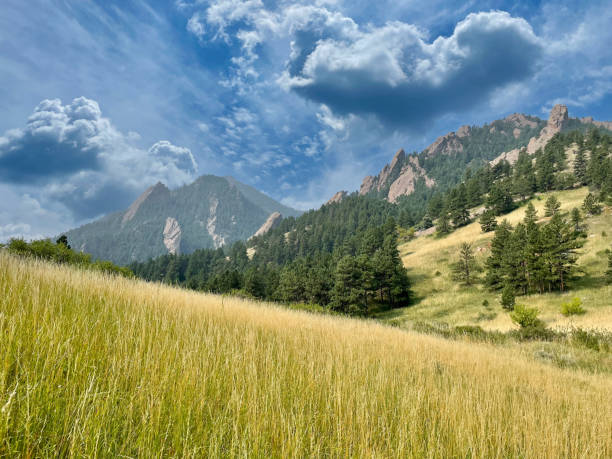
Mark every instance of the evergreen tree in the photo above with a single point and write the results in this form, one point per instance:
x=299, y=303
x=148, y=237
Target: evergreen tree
x=495, y=263
x=487, y=221
x=443, y=227
x=578, y=221
x=534, y=263
x=545, y=168
x=458, y=206
x=500, y=199
x=464, y=269
x=507, y=298
x=348, y=292
x=580, y=167
x=591, y=205
x=426, y=223
x=560, y=243
x=63, y=240
x=552, y=206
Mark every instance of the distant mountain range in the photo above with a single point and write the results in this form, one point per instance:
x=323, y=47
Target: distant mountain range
x=215, y=211
x=444, y=162
x=208, y=213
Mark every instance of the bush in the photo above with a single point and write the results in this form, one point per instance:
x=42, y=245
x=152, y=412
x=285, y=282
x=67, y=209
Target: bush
x=572, y=308
x=525, y=317
x=485, y=303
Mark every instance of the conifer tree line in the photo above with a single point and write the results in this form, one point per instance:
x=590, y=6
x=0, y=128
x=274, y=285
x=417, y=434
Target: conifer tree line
x=500, y=188
x=343, y=257
x=535, y=257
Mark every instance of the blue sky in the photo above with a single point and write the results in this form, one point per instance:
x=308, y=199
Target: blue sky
x=99, y=100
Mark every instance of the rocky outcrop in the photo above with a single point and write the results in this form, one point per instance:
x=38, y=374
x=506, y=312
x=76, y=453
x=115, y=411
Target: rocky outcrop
x=556, y=122
x=211, y=223
x=520, y=120
x=272, y=222
x=131, y=212
x=446, y=145
x=368, y=185
x=338, y=197
x=601, y=124
x=405, y=183
x=172, y=236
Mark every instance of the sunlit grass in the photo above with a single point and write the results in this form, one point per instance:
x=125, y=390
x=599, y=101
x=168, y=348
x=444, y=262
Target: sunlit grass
x=442, y=299
x=100, y=366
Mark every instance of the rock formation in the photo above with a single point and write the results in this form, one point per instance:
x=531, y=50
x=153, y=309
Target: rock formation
x=556, y=122
x=172, y=236
x=399, y=177
x=447, y=144
x=272, y=222
x=211, y=223
x=405, y=183
x=338, y=197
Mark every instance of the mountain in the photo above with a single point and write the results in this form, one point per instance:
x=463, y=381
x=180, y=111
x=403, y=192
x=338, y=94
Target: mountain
x=208, y=213
x=443, y=163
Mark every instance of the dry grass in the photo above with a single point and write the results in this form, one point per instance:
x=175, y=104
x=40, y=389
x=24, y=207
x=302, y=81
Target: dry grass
x=442, y=299
x=99, y=366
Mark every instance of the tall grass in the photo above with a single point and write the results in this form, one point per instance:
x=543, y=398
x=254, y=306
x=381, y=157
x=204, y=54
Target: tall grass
x=92, y=365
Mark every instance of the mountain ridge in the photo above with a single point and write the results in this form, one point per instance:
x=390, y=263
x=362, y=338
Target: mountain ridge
x=207, y=213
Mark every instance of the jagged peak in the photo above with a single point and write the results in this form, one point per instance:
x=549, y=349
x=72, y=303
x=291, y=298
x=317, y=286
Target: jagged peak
x=131, y=211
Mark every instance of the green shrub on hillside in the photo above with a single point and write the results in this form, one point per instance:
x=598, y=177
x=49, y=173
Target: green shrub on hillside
x=60, y=252
x=525, y=317
x=572, y=308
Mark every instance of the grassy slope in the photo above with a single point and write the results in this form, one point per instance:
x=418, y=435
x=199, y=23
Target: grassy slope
x=442, y=299
x=93, y=365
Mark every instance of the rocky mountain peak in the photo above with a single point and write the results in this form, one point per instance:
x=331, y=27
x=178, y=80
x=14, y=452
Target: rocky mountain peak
x=338, y=197
x=558, y=117
x=272, y=222
x=129, y=214
x=447, y=144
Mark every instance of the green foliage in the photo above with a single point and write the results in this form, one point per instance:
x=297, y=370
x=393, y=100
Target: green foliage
x=591, y=205
x=552, y=206
x=487, y=221
x=60, y=252
x=465, y=268
x=525, y=317
x=508, y=298
x=573, y=307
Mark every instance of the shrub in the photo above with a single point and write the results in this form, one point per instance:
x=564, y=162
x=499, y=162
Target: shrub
x=572, y=308
x=525, y=317
x=485, y=303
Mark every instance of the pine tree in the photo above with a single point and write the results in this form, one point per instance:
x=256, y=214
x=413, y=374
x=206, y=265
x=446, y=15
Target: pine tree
x=507, y=297
x=552, y=206
x=560, y=243
x=514, y=266
x=495, y=275
x=465, y=267
x=487, y=221
x=458, y=206
x=348, y=291
x=500, y=199
x=580, y=167
x=534, y=263
x=443, y=227
x=578, y=221
x=591, y=205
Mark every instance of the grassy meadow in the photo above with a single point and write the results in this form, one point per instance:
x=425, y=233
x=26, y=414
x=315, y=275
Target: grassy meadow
x=94, y=365
x=441, y=299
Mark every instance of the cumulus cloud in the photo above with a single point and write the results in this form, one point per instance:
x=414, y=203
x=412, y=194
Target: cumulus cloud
x=73, y=155
x=393, y=73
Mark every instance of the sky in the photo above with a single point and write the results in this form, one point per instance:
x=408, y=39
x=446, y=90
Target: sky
x=300, y=99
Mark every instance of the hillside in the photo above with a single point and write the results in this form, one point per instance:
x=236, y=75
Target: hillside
x=443, y=300
x=104, y=366
x=210, y=212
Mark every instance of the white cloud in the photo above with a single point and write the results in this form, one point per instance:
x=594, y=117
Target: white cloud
x=73, y=155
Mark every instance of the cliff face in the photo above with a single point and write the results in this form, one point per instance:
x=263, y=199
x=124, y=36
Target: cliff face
x=338, y=197
x=397, y=178
x=208, y=213
x=272, y=222
x=558, y=121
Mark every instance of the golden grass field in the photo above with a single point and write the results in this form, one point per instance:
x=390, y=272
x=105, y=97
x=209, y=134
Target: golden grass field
x=441, y=299
x=92, y=365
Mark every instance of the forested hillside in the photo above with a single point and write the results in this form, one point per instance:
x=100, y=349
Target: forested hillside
x=344, y=257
